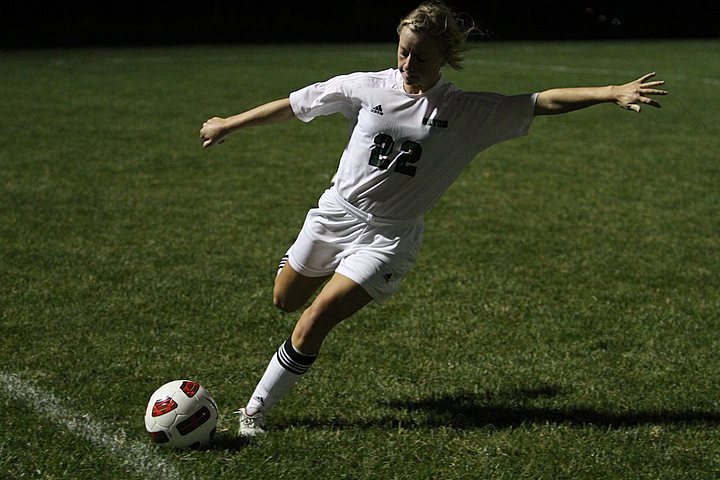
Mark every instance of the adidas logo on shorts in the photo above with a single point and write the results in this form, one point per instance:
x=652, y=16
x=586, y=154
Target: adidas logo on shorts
x=377, y=109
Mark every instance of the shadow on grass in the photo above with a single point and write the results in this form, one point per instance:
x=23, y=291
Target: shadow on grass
x=464, y=410
x=229, y=441
x=512, y=409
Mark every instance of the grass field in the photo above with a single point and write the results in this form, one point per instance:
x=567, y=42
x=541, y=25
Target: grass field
x=563, y=321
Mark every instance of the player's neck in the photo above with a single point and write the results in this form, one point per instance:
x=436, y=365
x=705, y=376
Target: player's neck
x=420, y=89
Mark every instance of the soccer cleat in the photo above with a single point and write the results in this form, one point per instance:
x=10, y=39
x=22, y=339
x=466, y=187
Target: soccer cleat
x=251, y=425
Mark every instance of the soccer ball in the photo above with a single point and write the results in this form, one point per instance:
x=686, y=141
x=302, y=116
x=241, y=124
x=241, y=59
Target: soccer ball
x=181, y=414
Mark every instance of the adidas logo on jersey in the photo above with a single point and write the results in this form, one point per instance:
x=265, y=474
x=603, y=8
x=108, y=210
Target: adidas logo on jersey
x=377, y=109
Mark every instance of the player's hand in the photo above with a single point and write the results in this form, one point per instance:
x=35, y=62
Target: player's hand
x=633, y=95
x=213, y=131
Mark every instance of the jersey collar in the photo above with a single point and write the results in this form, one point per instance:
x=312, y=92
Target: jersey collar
x=401, y=86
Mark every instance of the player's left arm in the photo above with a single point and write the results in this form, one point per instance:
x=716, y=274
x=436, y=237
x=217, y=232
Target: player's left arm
x=630, y=96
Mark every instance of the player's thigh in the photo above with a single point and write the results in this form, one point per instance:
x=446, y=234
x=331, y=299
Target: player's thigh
x=293, y=290
x=340, y=298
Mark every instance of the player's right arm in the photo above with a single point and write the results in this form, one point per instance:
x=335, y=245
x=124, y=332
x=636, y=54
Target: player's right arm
x=217, y=128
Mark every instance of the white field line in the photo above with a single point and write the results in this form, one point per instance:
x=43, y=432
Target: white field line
x=136, y=457
x=589, y=70
x=474, y=61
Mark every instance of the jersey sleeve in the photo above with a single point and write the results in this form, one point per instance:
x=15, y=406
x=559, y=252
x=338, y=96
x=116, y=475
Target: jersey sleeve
x=323, y=98
x=511, y=117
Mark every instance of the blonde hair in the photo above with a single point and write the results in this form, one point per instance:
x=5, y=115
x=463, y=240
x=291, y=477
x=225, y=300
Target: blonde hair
x=450, y=29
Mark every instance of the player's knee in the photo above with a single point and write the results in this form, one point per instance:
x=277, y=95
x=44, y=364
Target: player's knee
x=320, y=316
x=313, y=325
x=284, y=303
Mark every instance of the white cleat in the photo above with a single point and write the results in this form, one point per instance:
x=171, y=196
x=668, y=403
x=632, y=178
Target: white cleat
x=251, y=425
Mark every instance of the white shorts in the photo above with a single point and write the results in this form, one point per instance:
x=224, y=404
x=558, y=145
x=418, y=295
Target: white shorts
x=375, y=253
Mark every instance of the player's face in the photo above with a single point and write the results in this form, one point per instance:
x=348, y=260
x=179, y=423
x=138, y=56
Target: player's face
x=419, y=60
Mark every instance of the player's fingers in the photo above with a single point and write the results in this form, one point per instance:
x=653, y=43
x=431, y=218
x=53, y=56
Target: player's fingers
x=646, y=77
x=648, y=87
x=653, y=91
x=655, y=83
x=649, y=101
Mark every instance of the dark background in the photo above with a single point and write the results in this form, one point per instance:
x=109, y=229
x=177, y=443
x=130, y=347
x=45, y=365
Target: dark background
x=32, y=24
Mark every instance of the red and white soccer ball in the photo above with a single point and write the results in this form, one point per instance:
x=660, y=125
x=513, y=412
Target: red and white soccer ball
x=181, y=414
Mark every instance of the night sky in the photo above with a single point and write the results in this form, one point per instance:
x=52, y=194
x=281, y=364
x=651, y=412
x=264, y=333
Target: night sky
x=39, y=24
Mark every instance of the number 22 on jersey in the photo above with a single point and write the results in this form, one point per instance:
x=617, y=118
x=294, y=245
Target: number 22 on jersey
x=382, y=147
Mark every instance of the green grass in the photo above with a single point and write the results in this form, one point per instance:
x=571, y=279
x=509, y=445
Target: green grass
x=562, y=322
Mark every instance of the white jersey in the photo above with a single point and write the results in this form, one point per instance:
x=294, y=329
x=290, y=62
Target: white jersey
x=405, y=150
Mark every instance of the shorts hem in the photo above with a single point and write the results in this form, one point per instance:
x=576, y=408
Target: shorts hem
x=307, y=272
x=378, y=296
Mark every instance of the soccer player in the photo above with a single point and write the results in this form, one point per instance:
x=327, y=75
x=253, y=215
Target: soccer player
x=411, y=135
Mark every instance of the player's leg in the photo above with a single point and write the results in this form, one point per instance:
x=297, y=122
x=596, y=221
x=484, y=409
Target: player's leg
x=338, y=300
x=293, y=290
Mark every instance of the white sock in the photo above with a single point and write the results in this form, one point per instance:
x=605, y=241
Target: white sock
x=284, y=370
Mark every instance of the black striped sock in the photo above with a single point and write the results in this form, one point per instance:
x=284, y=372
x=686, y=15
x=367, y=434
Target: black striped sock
x=283, y=261
x=292, y=360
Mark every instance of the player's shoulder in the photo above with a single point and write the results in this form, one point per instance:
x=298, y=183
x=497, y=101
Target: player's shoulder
x=485, y=101
x=469, y=102
x=458, y=95
x=379, y=79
